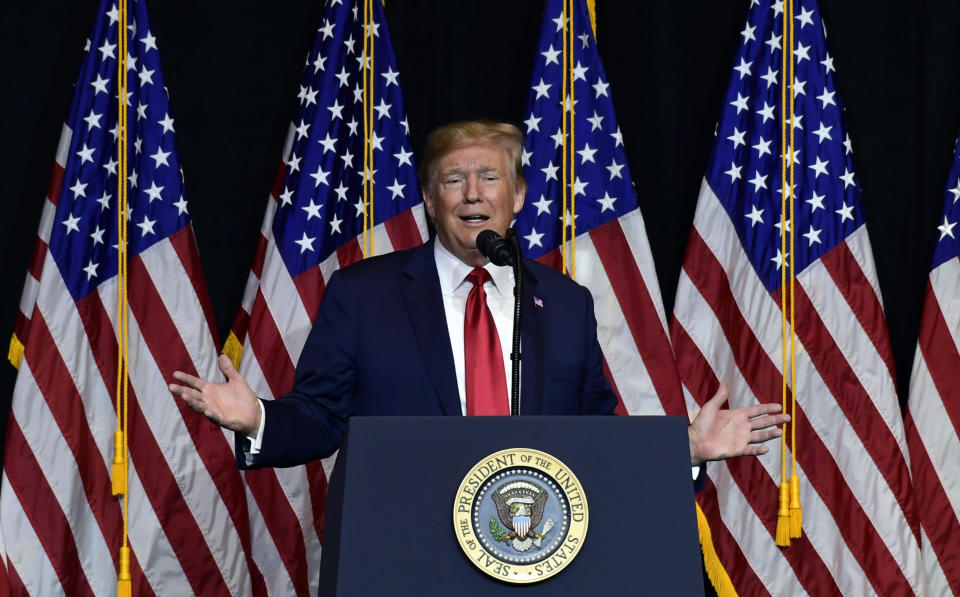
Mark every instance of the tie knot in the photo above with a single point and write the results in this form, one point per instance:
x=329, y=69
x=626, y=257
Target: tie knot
x=478, y=277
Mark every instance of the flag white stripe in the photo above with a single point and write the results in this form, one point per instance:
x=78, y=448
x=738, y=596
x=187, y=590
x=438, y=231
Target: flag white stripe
x=618, y=344
x=63, y=146
x=296, y=488
x=855, y=345
x=25, y=552
x=328, y=266
x=31, y=288
x=47, y=215
x=265, y=554
x=149, y=541
x=381, y=241
x=937, y=583
x=283, y=302
x=859, y=244
x=636, y=234
x=945, y=283
x=170, y=277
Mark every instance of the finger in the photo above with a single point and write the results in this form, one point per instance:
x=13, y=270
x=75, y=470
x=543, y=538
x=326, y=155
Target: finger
x=190, y=380
x=769, y=421
x=759, y=437
x=227, y=368
x=193, y=398
x=718, y=399
x=759, y=410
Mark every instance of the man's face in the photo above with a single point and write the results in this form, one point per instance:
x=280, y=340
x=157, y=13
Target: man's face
x=472, y=190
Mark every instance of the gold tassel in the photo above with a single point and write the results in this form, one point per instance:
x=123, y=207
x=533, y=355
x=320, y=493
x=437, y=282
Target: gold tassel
x=15, y=354
x=124, y=587
x=717, y=574
x=796, y=514
x=783, y=517
x=119, y=465
x=233, y=349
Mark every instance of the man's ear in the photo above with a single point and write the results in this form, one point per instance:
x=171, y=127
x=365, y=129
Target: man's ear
x=427, y=201
x=518, y=196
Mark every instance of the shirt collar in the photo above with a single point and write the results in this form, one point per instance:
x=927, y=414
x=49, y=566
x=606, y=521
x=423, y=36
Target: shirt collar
x=453, y=272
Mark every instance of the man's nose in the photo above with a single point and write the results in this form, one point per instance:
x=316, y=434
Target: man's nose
x=472, y=189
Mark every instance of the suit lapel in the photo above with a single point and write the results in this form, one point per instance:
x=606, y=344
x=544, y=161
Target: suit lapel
x=424, y=303
x=532, y=328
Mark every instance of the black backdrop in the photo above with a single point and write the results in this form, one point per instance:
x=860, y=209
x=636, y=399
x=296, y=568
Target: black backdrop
x=232, y=69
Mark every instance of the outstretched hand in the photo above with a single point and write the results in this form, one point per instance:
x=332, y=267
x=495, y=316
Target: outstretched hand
x=232, y=404
x=717, y=434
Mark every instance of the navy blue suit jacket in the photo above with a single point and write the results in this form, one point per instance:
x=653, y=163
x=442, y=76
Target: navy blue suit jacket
x=380, y=346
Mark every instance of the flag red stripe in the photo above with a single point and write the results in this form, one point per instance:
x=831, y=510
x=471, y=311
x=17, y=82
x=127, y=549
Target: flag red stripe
x=170, y=354
x=15, y=583
x=21, y=327
x=259, y=256
x=56, y=385
x=937, y=514
x=552, y=259
x=765, y=381
x=863, y=301
x=185, y=244
x=37, y=258
x=278, y=180
x=728, y=550
x=640, y=312
x=44, y=512
x=282, y=524
x=240, y=325
x=56, y=183
x=317, y=481
x=856, y=404
x=759, y=490
x=402, y=230
x=350, y=252
x=940, y=353
x=310, y=287
x=159, y=485
x=268, y=347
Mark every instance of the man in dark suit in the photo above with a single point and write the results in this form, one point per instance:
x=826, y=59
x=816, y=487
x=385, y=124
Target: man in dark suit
x=403, y=334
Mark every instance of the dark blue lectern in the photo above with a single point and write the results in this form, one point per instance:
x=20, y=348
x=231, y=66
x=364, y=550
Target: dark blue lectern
x=389, y=529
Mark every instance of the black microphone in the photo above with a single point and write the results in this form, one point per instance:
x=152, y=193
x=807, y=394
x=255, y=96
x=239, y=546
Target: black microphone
x=495, y=248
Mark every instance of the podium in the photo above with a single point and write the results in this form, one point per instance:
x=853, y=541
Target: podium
x=389, y=517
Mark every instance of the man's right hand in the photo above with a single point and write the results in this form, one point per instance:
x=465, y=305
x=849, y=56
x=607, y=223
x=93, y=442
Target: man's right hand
x=232, y=404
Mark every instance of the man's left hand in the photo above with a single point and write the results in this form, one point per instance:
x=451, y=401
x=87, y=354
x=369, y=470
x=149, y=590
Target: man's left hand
x=717, y=434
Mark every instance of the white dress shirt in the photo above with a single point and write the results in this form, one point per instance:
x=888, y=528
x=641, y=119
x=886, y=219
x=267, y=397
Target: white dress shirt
x=455, y=289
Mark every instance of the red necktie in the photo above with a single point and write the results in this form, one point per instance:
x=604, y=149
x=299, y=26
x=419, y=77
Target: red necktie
x=486, y=382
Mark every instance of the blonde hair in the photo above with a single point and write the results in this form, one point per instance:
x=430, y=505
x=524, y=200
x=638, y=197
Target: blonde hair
x=448, y=137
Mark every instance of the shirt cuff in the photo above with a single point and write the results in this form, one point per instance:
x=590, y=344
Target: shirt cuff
x=256, y=440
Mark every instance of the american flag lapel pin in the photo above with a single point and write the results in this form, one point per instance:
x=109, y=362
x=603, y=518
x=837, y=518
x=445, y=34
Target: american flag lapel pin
x=538, y=302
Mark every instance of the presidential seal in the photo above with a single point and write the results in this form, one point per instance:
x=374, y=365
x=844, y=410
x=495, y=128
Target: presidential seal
x=520, y=515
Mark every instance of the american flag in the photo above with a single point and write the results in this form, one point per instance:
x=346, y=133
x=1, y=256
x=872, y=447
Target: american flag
x=933, y=414
x=612, y=252
x=860, y=532
x=189, y=525
x=313, y=225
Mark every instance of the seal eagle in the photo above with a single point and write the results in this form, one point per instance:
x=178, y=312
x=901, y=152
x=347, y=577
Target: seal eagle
x=520, y=506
